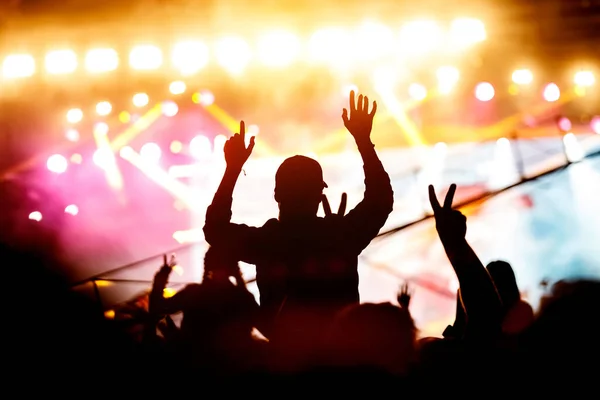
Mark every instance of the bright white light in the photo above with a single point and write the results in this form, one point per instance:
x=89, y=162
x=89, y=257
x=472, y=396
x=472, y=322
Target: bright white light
x=74, y=115
x=35, y=216
x=101, y=128
x=72, y=209
x=447, y=78
x=57, y=163
x=349, y=88
x=200, y=147
x=72, y=135
x=384, y=78
x=595, y=124
x=278, y=48
x=420, y=37
x=253, y=130
x=145, y=57
x=207, y=98
x=190, y=57
x=126, y=152
x=219, y=143
x=101, y=60
x=103, y=158
x=18, y=66
x=573, y=149
x=233, y=54
x=417, y=91
x=177, y=87
x=61, y=62
x=151, y=152
x=169, y=108
x=585, y=78
x=551, y=92
x=332, y=46
x=485, y=91
x=140, y=99
x=103, y=108
x=374, y=40
x=522, y=77
x=467, y=31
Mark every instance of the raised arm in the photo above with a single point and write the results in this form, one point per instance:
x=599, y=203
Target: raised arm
x=369, y=216
x=218, y=229
x=482, y=305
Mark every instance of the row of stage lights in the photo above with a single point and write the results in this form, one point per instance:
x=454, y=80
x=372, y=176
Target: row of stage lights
x=277, y=48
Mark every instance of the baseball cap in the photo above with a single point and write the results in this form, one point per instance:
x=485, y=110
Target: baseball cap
x=300, y=172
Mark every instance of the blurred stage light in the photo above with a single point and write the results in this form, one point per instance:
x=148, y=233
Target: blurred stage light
x=374, y=40
x=177, y=87
x=417, y=91
x=189, y=57
x=331, y=46
x=253, y=130
x=101, y=60
x=61, y=62
x=124, y=117
x=485, y=91
x=233, y=54
x=346, y=89
x=420, y=37
x=35, y=216
x=447, y=78
x=573, y=149
x=101, y=128
x=72, y=209
x=522, y=77
x=278, y=48
x=57, y=163
x=384, y=78
x=465, y=32
x=74, y=115
x=103, y=108
x=145, y=57
x=140, y=99
x=76, y=158
x=564, y=124
x=72, y=135
x=176, y=147
x=103, y=157
x=126, y=152
x=595, y=124
x=551, y=92
x=585, y=79
x=200, y=147
x=151, y=152
x=169, y=108
x=18, y=66
x=219, y=143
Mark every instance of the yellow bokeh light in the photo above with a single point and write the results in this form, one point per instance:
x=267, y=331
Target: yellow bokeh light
x=176, y=146
x=585, y=79
x=124, y=117
x=169, y=292
x=177, y=87
x=374, y=40
x=74, y=115
x=61, y=62
x=145, y=57
x=447, y=78
x=465, y=32
x=103, y=108
x=190, y=57
x=76, y=158
x=417, y=91
x=420, y=37
x=101, y=60
x=18, y=66
x=196, y=98
x=331, y=46
x=110, y=314
x=522, y=77
x=140, y=99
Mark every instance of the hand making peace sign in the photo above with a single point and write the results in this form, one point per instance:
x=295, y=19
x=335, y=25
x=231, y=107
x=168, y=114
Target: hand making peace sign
x=450, y=224
x=341, y=209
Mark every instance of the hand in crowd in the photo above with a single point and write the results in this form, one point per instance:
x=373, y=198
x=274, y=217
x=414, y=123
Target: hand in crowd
x=358, y=120
x=341, y=209
x=451, y=224
x=235, y=149
x=404, y=295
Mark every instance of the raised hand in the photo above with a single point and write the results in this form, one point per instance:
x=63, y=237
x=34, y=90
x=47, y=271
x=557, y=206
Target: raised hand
x=359, y=121
x=235, y=150
x=404, y=296
x=450, y=224
x=341, y=209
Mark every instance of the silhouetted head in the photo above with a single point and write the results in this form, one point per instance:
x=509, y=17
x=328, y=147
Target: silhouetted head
x=381, y=336
x=299, y=186
x=220, y=264
x=505, y=281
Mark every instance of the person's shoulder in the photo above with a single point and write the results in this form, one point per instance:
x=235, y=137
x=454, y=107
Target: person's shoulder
x=272, y=223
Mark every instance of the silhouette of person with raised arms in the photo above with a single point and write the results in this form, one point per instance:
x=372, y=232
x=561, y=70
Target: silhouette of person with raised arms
x=306, y=266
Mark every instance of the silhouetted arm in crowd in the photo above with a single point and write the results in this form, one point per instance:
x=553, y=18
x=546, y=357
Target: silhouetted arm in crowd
x=218, y=228
x=457, y=329
x=369, y=216
x=482, y=304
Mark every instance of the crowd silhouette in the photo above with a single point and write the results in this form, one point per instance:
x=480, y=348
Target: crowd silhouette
x=309, y=321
